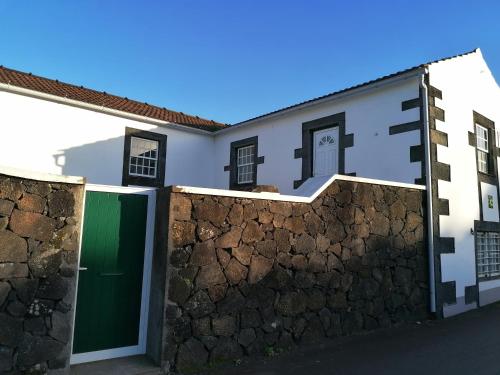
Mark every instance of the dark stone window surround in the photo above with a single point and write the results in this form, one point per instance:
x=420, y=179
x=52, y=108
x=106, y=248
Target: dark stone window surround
x=306, y=152
x=484, y=226
x=489, y=178
x=232, y=168
x=159, y=180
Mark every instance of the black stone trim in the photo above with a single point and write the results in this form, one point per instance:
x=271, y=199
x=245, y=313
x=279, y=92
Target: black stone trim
x=471, y=294
x=435, y=93
x=159, y=180
x=297, y=183
x=439, y=137
x=436, y=113
x=227, y=168
x=412, y=103
x=421, y=181
x=306, y=153
x=445, y=292
x=406, y=127
x=417, y=153
x=297, y=153
x=442, y=171
x=348, y=140
x=472, y=139
x=233, y=170
x=484, y=226
x=443, y=206
x=491, y=177
x=449, y=292
x=444, y=245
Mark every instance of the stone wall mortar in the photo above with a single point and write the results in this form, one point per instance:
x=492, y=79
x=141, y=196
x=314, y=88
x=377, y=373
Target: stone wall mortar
x=39, y=247
x=249, y=276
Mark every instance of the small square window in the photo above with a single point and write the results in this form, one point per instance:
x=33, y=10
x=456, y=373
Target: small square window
x=141, y=157
x=488, y=254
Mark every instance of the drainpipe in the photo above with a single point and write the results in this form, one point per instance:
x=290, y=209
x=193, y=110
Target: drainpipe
x=430, y=223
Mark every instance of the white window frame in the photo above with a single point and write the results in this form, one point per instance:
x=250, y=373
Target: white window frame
x=245, y=164
x=488, y=254
x=482, y=145
x=150, y=162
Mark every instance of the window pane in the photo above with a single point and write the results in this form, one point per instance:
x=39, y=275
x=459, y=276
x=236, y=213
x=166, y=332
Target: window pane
x=245, y=163
x=482, y=161
x=482, y=138
x=488, y=254
x=143, y=156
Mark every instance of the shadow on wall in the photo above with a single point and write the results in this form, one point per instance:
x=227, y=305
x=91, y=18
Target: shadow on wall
x=100, y=162
x=251, y=276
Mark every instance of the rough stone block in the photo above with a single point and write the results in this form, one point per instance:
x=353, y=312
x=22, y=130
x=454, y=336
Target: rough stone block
x=203, y=254
x=235, y=272
x=30, y=224
x=12, y=247
x=61, y=203
x=6, y=207
x=181, y=207
x=32, y=203
x=229, y=239
x=260, y=266
x=13, y=270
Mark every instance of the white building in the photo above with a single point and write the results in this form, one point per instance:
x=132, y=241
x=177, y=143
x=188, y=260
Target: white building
x=433, y=124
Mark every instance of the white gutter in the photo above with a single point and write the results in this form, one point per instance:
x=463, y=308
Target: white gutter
x=430, y=223
x=355, y=91
x=101, y=109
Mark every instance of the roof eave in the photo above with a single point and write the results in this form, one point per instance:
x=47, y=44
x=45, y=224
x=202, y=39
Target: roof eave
x=96, y=108
x=417, y=71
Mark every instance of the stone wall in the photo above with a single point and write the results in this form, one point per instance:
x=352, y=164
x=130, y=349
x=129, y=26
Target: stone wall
x=248, y=276
x=39, y=242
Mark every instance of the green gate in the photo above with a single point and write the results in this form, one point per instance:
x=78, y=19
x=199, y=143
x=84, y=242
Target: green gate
x=108, y=305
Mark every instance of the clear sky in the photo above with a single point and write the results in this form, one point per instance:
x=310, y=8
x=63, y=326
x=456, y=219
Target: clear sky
x=230, y=60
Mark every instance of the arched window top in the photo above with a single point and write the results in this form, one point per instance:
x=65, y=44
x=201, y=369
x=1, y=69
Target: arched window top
x=327, y=140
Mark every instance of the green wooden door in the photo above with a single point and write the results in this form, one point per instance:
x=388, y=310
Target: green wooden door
x=110, y=277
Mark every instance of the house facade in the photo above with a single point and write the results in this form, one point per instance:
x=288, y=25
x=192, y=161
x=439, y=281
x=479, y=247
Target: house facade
x=432, y=125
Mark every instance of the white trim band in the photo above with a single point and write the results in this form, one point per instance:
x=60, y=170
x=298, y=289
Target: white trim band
x=40, y=176
x=290, y=198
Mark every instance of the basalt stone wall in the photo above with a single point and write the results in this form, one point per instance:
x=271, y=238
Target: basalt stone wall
x=39, y=242
x=248, y=276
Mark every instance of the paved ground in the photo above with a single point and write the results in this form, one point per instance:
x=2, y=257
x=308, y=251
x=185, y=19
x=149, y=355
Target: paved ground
x=136, y=365
x=465, y=345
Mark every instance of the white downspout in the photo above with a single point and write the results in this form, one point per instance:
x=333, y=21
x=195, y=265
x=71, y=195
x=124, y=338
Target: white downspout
x=430, y=223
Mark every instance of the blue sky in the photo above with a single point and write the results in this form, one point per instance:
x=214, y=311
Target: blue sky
x=230, y=60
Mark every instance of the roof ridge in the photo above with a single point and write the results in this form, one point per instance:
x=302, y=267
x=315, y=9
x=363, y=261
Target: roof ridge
x=356, y=86
x=451, y=57
x=196, y=121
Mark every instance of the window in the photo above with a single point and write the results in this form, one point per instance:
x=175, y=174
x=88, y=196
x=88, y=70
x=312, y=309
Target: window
x=327, y=140
x=245, y=164
x=143, y=157
x=488, y=254
x=482, y=145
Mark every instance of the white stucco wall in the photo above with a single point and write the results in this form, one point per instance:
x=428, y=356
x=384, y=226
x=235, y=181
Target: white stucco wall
x=49, y=137
x=375, y=153
x=467, y=85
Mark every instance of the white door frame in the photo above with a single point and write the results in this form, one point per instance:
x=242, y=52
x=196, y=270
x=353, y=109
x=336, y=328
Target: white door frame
x=146, y=278
x=335, y=129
